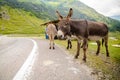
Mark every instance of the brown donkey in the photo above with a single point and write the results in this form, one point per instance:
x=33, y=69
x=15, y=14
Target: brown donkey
x=84, y=30
x=51, y=32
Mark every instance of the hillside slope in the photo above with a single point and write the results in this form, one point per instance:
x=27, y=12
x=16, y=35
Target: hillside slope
x=20, y=22
x=116, y=17
x=24, y=14
x=82, y=11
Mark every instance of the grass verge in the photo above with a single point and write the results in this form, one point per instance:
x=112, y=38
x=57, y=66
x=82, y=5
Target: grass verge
x=105, y=68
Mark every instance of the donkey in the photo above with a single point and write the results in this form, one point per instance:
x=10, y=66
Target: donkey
x=55, y=22
x=84, y=30
x=51, y=32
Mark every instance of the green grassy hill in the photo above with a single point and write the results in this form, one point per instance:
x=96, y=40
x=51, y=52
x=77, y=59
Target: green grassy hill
x=20, y=22
x=27, y=15
x=82, y=11
x=116, y=17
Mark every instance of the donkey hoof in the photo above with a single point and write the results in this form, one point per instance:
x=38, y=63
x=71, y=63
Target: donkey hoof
x=53, y=47
x=108, y=55
x=76, y=57
x=97, y=54
x=84, y=59
x=49, y=47
x=67, y=47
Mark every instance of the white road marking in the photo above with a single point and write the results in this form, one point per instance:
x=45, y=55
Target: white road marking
x=26, y=69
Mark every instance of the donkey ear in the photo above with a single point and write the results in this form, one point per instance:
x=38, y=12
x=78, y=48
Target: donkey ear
x=70, y=13
x=59, y=16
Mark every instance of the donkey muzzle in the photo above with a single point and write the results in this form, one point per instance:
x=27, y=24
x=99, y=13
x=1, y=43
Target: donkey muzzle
x=60, y=34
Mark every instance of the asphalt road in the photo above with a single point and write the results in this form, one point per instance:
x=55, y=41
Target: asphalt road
x=31, y=59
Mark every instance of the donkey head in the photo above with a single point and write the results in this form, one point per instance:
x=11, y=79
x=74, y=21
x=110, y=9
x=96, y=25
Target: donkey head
x=64, y=24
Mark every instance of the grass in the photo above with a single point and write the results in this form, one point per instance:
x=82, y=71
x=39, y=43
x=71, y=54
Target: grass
x=20, y=22
x=54, y=4
x=110, y=67
x=26, y=35
x=115, y=34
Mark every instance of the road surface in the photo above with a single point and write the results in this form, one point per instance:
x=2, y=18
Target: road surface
x=31, y=59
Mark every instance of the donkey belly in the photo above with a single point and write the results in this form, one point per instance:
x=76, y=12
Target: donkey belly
x=94, y=38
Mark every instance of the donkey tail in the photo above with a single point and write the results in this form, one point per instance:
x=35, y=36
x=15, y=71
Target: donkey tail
x=102, y=41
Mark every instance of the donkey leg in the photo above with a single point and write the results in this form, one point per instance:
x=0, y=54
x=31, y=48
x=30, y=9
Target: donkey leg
x=53, y=44
x=84, y=56
x=85, y=46
x=53, y=41
x=106, y=45
x=68, y=44
x=50, y=45
x=78, y=49
x=50, y=41
x=98, y=48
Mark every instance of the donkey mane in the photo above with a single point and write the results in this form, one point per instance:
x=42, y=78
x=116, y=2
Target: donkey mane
x=53, y=22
